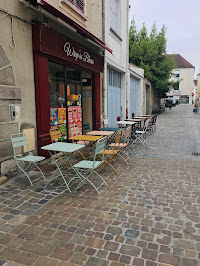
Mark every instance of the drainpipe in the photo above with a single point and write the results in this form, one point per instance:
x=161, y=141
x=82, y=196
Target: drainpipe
x=127, y=111
x=104, y=69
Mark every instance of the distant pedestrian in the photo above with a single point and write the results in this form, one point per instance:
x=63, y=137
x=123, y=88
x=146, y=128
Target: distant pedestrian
x=196, y=107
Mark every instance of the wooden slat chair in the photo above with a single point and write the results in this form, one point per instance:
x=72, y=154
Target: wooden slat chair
x=112, y=153
x=86, y=168
x=125, y=145
x=20, y=141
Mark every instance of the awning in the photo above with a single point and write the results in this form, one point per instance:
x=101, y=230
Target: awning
x=51, y=9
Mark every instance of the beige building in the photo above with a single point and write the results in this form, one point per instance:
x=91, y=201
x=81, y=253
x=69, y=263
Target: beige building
x=184, y=73
x=195, y=90
x=198, y=86
x=50, y=57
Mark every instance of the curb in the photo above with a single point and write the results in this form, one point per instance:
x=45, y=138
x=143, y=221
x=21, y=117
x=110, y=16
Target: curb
x=3, y=179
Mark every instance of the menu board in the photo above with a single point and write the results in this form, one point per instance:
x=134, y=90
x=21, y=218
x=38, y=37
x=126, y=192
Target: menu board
x=61, y=115
x=58, y=121
x=74, y=120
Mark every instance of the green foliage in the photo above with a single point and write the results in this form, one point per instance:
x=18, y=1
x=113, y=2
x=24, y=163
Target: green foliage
x=175, y=84
x=149, y=52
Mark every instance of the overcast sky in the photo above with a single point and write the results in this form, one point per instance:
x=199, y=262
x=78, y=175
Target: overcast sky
x=182, y=19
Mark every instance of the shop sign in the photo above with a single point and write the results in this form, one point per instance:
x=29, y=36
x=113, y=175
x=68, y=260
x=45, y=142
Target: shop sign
x=55, y=44
x=78, y=55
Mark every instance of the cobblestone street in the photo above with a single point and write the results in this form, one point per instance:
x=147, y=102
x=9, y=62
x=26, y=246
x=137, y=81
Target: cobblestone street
x=149, y=214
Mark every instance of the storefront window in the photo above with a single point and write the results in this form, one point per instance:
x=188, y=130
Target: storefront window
x=58, y=116
x=73, y=78
x=56, y=85
x=65, y=100
x=74, y=104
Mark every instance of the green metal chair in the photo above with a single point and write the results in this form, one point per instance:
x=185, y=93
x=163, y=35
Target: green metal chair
x=86, y=168
x=18, y=141
x=86, y=127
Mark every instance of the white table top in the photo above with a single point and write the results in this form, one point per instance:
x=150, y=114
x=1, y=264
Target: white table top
x=126, y=122
x=63, y=147
x=100, y=133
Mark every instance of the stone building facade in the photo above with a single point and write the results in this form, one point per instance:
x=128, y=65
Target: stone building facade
x=20, y=109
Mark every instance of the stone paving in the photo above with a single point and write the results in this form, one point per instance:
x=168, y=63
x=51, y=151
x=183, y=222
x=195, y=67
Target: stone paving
x=149, y=214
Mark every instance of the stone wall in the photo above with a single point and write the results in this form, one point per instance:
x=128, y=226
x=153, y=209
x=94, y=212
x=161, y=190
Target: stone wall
x=9, y=95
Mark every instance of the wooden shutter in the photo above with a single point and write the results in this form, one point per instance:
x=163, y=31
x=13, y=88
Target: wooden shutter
x=80, y=5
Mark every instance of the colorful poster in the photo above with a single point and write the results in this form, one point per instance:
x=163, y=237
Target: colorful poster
x=53, y=116
x=79, y=110
x=79, y=123
x=61, y=115
x=74, y=121
x=75, y=114
x=63, y=131
x=70, y=115
x=55, y=128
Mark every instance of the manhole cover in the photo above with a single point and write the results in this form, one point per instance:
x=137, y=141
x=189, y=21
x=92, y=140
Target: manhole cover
x=196, y=153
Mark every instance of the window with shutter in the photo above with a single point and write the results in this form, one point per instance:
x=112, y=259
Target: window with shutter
x=80, y=5
x=114, y=15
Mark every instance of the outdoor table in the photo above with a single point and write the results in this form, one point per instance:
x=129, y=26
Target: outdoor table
x=126, y=123
x=100, y=133
x=141, y=117
x=137, y=120
x=89, y=138
x=85, y=138
x=115, y=129
x=109, y=129
x=109, y=134
x=129, y=123
x=68, y=149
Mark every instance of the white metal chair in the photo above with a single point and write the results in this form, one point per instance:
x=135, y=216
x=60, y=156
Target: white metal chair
x=18, y=141
x=86, y=168
x=141, y=134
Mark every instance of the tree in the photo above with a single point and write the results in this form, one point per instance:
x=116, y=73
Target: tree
x=149, y=52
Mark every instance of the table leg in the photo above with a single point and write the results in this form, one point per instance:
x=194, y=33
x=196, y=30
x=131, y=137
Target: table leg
x=58, y=169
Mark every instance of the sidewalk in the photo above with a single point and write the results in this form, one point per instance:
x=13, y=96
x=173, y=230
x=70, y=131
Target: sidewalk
x=149, y=215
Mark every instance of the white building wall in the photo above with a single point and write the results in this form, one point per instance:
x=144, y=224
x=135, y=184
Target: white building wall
x=118, y=42
x=186, y=78
x=186, y=85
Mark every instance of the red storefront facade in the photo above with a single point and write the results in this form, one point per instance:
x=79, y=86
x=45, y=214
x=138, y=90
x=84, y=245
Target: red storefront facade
x=51, y=46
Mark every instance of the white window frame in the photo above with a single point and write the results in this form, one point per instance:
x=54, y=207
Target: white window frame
x=115, y=17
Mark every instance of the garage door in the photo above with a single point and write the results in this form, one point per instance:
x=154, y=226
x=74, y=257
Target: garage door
x=114, y=96
x=134, y=85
